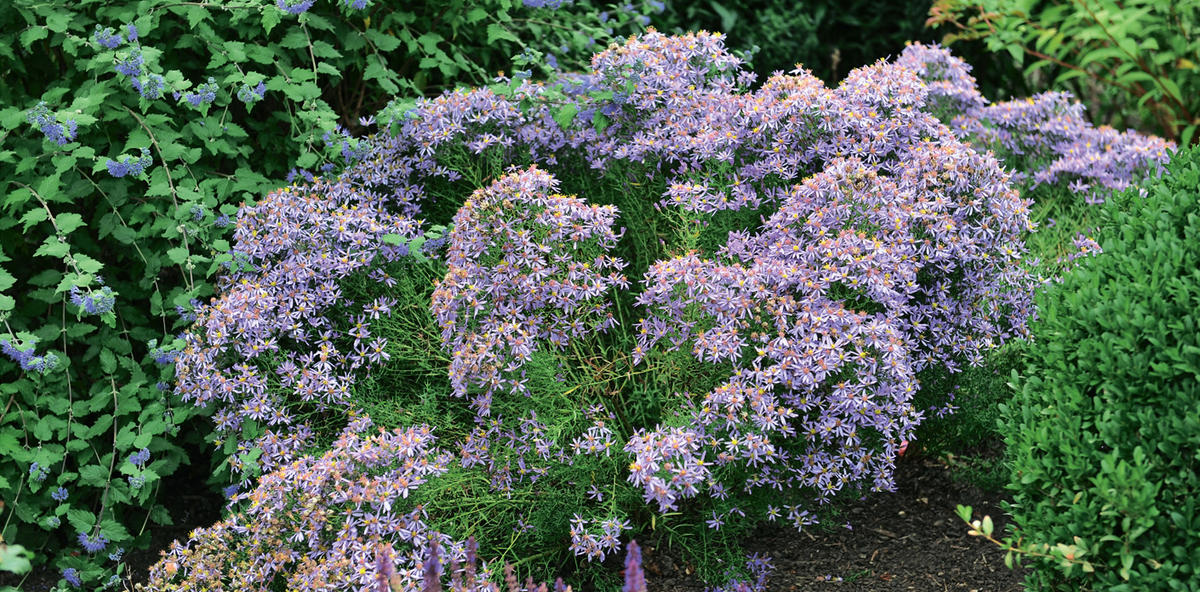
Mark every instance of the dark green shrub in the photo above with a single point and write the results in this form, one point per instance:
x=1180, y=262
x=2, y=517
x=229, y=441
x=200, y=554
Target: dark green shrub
x=1104, y=432
x=828, y=37
x=1133, y=62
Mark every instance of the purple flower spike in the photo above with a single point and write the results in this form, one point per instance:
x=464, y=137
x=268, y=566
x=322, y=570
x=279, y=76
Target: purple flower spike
x=635, y=579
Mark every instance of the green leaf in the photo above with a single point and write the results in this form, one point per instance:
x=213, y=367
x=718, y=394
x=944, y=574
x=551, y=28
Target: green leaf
x=59, y=21
x=82, y=520
x=496, y=32
x=108, y=362
x=6, y=280
x=68, y=222
x=566, y=114
x=52, y=247
x=307, y=160
x=271, y=16
x=177, y=255
x=32, y=35
x=15, y=559
x=93, y=475
x=33, y=217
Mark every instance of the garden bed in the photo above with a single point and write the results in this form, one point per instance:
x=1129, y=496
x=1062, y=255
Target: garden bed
x=907, y=540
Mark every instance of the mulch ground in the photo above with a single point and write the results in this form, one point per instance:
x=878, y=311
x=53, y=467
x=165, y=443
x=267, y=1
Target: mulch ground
x=908, y=540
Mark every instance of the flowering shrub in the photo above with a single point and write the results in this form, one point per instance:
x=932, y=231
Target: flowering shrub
x=130, y=134
x=1046, y=137
x=533, y=264
x=803, y=252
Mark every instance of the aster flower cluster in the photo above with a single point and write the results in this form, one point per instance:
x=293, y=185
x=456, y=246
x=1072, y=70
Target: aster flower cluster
x=320, y=523
x=1047, y=132
x=292, y=248
x=888, y=245
x=594, y=539
x=901, y=253
x=525, y=266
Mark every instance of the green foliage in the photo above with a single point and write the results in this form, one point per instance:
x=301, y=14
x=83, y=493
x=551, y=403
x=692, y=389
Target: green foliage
x=1135, y=60
x=962, y=410
x=1103, y=433
x=129, y=134
x=828, y=37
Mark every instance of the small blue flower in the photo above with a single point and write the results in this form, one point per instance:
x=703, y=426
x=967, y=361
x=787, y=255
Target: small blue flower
x=117, y=555
x=71, y=575
x=140, y=457
x=53, y=522
x=94, y=302
x=131, y=32
x=251, y=95
x=60, y=494
x=150, y=86
x=131, y=65
x=205, y=94
x=24, y=355
x=107, y=37
x=136, y=481
x=59, y=133
x=92, y=544
x=294, y=6
x=126, y=165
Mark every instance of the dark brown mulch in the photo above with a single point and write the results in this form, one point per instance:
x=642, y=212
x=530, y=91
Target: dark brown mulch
x=908, y=540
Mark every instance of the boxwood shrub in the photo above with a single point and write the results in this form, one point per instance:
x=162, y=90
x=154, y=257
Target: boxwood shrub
x=1104, y=434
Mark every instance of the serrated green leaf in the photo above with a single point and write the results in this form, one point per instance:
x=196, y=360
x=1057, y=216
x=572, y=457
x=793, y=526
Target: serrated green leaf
x=496, y=33
x=32, y=35
x=68, y=222
x=271, y=16
x=6, y=280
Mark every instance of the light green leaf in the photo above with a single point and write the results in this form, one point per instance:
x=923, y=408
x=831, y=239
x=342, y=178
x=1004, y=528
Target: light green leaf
x=68, y=222
x=496, y=32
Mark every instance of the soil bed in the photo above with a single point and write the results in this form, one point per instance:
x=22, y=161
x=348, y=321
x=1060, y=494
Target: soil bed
x=908, y=540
